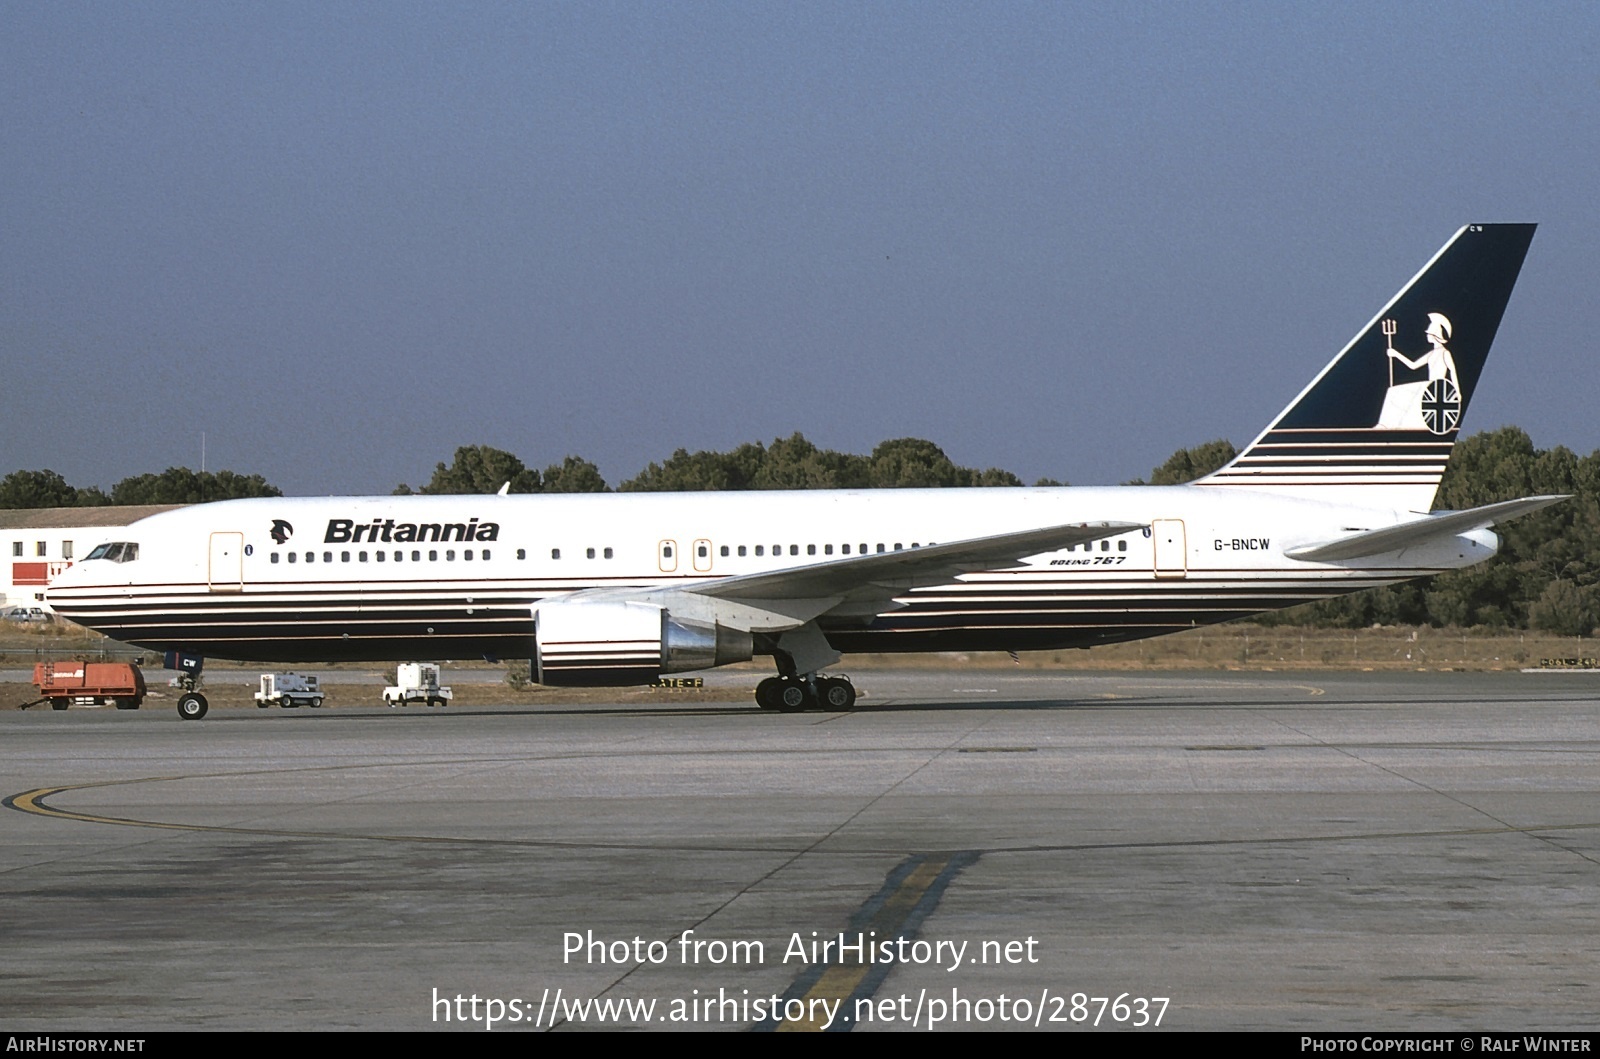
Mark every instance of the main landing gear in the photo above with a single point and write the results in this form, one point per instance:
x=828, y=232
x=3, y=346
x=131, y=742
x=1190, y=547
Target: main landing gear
x=813, y=692
x=801, y=653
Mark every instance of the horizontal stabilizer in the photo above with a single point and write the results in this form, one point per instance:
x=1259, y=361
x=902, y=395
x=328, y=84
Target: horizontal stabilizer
x=1432, y=527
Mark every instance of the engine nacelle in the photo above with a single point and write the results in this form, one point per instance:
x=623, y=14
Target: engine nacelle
x=618, y=644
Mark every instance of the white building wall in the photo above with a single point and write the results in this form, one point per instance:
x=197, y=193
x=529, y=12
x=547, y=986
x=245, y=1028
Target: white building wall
x=33, y=556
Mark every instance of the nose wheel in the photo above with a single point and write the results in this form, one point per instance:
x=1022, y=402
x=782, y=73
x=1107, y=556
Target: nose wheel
x=191, y=704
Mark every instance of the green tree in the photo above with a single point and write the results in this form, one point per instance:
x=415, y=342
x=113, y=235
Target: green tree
x=23, y=489
x=1186, y=465
x=1564, y=608
x=180, y=485
x=694, y=472
x=995, y=476
x=573, y=475
x=912, y=463
x=482, y=469
x=795, y=463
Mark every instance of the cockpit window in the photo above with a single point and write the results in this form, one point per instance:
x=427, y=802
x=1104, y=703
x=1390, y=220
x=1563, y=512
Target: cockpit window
x=116, y=551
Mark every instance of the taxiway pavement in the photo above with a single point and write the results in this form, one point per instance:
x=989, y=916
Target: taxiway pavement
x=1264, y=851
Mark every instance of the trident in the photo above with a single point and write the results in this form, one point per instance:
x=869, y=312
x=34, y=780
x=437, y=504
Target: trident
x=1389, y=329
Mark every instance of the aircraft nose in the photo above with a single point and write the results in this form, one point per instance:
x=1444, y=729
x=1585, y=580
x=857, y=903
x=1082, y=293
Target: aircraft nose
x=61, y=583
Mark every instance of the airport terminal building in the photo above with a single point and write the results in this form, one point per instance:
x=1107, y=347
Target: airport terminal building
x=41, y=542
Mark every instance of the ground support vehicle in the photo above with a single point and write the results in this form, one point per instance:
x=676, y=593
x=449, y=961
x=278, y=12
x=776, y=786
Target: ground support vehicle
x=288, y=690
x=417, y=682
x=61, y=684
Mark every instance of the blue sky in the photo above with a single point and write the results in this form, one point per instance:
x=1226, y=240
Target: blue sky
x=1065, y=239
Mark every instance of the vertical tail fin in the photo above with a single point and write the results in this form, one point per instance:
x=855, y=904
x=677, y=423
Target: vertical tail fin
x=1376, y=427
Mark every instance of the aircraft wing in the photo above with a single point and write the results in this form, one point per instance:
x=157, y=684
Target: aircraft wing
x=909, y=567
x=1427, y=528
x=860, y=585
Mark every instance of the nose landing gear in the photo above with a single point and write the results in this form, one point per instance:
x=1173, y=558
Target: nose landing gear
x=191, y=704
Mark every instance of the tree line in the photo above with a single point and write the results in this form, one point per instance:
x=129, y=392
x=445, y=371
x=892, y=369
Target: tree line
x=175, y=485
x=1547, y=575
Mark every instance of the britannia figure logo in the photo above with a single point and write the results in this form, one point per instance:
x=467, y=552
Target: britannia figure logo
x=1432, y=404
x=281, y=531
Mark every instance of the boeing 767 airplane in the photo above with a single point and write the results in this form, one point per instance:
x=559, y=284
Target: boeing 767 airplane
x=615, y=589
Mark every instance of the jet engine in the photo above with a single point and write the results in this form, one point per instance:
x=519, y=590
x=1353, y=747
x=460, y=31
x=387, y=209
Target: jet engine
x=613, y=644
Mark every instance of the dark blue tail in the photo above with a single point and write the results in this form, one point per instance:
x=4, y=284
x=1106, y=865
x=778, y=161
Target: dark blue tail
x=1377, y=426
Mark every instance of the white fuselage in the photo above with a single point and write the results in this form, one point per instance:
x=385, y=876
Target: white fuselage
x=394, y=578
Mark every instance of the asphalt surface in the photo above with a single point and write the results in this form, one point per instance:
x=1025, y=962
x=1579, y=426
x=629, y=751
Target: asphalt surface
x=1213, y=851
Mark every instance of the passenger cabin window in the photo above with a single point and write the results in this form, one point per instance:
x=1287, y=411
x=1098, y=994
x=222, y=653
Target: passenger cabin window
x=555, y=553
x=589, y=552
x=608, y=553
